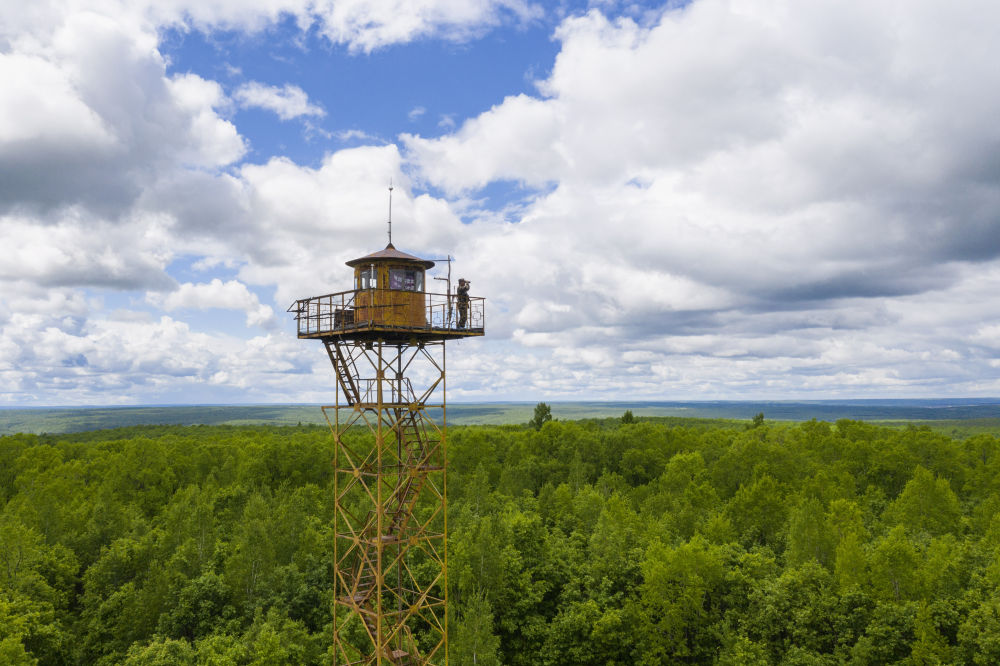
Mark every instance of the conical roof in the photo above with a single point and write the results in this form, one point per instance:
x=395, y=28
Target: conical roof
x=390, y=253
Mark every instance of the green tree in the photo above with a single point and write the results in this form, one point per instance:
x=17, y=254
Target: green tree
x=809, y=536
x=543, y=414
x=758, y=511
x=275, y=640
x=473, y=640
x=614, y=550
x=979, y=635
x=850, y=562
x=12, y=651
x=795, y=610
x=678, y=597
x=161, y=652
x=613, y=636
x=221, y=650
x=28, y=630
x=568, y=642
x=927, y=504
x=741, y=651
x=930, y=647
x=203, y=603
x=248, y=568
x=888, y=637
x=895, y=567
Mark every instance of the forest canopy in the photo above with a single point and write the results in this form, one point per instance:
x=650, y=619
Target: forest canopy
x=617, y=541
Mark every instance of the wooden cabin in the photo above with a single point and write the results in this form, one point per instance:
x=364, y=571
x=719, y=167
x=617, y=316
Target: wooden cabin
x=390, y=289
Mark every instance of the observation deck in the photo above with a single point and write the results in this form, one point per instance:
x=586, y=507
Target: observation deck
x=387, y=314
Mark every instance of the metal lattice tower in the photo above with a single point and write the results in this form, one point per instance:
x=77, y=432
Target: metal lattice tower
x=386, y=340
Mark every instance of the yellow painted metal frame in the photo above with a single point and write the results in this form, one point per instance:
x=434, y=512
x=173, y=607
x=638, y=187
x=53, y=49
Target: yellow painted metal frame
x=391, y=499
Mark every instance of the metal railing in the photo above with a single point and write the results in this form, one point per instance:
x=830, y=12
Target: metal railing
x=332, y=313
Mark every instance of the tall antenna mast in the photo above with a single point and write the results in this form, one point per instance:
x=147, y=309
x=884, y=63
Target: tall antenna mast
x=390, y=211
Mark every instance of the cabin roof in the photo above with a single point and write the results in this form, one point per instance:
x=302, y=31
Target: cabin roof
x=390, y=253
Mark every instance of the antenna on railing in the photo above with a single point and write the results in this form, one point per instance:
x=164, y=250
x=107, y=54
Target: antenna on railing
x=448, y=280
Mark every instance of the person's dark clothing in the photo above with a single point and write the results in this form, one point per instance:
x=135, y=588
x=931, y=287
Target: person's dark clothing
x=463, y=304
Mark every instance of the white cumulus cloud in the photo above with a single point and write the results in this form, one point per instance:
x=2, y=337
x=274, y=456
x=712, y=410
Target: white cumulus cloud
x=229, y=295
x=366, y=25
x=287, y=101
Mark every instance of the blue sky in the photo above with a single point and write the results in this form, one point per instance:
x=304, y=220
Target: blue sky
x=412, y=87
x=704, y=200
x=423, y=87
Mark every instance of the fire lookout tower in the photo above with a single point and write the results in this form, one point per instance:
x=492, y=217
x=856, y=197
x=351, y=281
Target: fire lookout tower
x=386, y=339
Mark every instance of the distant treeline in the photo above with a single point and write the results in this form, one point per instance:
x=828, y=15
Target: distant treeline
x=578, y=543
x=943, y=414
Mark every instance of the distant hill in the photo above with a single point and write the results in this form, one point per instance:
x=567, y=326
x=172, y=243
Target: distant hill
x=78, y=419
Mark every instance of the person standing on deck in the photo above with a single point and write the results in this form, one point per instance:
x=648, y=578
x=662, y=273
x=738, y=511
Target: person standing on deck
x=463, y=301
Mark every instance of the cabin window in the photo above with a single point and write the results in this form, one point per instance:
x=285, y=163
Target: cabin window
x=407, y=280
x=368, y=279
